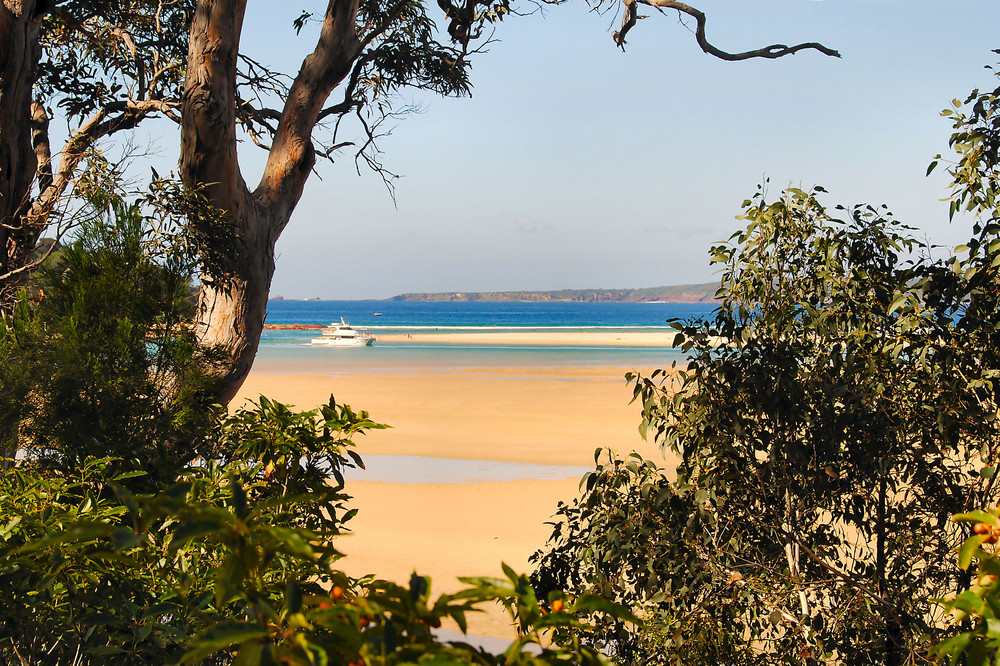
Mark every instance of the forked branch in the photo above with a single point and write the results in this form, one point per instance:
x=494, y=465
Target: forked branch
x=630, y=17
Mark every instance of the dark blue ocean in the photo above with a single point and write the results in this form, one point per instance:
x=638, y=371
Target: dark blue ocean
x=290, y=351
x=419, y=315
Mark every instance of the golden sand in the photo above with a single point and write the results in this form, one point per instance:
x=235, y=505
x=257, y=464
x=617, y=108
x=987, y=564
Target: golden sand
x=551, y=416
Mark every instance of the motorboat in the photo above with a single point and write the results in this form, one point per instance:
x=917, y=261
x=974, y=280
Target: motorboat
x=343, y=335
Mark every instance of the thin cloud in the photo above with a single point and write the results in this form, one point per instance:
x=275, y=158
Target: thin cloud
x=529, y=225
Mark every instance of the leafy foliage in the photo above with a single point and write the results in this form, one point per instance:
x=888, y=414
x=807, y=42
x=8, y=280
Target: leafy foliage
x=835, y=412
x=634, y=539
x=977, y=608
x=98, y=53
x=93, y=358
x=976, y=190
x=233, y=563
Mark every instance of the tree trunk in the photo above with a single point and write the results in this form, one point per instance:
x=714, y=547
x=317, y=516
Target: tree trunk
x=233, y=307
x=20, y=51
x=231, y=314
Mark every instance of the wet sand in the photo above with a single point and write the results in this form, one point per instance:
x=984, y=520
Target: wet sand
x=549, y=416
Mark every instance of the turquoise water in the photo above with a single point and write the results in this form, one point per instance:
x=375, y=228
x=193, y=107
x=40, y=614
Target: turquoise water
x=284, y=352
x=416, y=315
x=290, y=351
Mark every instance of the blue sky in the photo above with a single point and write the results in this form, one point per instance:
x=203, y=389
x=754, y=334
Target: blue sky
x=574, y=165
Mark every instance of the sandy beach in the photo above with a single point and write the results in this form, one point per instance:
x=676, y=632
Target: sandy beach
x=545, y=415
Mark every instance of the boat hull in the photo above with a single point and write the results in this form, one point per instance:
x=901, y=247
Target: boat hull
x=343, y=342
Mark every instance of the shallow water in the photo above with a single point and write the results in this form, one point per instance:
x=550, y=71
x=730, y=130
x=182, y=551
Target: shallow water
x=289, y=352
x=420, y=469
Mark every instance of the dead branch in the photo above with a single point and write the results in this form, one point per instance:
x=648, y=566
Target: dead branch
x=773, y=51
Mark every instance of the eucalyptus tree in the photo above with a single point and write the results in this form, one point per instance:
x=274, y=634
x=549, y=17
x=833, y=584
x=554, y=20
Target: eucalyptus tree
x=838, y=408
x=103, y=65
x=366, y=50
x=109, y=64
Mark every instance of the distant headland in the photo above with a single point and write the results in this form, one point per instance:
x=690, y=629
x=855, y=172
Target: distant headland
x=680, y=293
x=683, y=293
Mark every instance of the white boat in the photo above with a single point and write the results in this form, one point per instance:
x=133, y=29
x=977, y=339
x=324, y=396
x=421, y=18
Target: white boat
x=343, y=335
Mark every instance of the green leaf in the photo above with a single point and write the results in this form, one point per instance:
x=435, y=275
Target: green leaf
x=291, y=540
x=221, y=637
x=193, y=530
x=970, y=548
x=590, y=603
x=975, y=516
x=293, y=596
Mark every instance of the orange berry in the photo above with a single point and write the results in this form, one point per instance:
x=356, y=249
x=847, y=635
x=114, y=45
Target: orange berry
x=981, y=528
x=337, y=592
x=557, y=605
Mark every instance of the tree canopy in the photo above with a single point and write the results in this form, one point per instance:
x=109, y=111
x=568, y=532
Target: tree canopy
x=108, y=64
x=837, y=409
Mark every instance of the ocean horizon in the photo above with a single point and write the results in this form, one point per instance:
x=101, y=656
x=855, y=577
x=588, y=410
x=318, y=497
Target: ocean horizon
x=423, y=315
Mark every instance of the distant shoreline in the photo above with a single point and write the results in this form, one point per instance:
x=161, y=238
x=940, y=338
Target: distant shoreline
x=684, y=293
x=294, y=327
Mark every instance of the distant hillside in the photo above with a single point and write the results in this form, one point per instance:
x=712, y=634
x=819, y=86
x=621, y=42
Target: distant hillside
x=683, y=293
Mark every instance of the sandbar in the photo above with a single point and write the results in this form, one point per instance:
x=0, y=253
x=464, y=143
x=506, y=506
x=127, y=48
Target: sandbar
x=561, y=338
x=550, y=416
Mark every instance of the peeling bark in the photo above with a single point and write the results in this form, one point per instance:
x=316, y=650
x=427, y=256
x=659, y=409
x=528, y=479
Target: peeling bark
x=232, y=310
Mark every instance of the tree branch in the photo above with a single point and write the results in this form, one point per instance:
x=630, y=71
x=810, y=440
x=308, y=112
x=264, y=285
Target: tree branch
x=40, y=142
x=292, y=156
x=115, y=31
x=208, y=132
x=863, y=589
x=380, y=29
x=348, y=103
x=35, y=263
x=773, y=51
x=101, y=124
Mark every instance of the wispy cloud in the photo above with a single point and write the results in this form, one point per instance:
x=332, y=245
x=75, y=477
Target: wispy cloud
x=529, y=225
